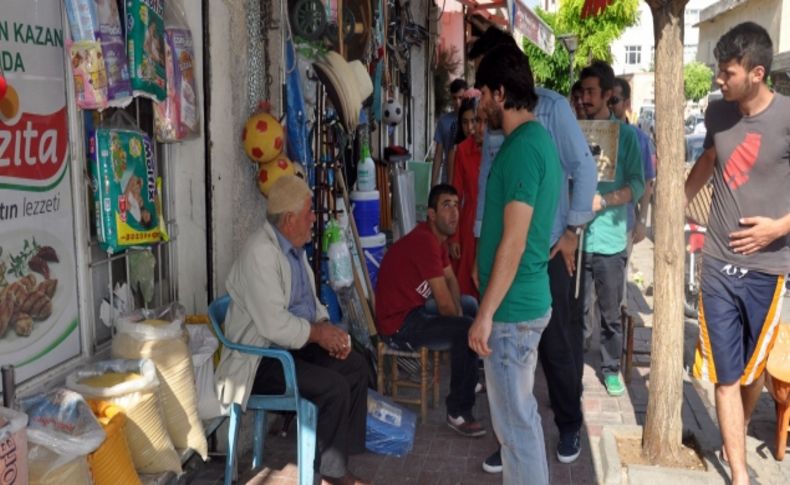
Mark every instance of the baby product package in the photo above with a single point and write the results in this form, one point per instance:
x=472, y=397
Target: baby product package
x=177, y=117
x=119, y=87
x=90, y=75
x=145, y=45
x=98, y=54
x=124, y=184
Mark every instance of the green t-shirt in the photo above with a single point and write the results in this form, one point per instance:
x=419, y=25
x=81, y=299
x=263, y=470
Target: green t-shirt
x=526, y=169
x=606, y=234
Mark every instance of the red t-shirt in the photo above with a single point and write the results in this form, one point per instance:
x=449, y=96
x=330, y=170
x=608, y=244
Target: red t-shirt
x=403, y=276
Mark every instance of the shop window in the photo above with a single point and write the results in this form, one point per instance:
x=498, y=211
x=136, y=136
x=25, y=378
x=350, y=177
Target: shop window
x=633, y=54
x=120, y=270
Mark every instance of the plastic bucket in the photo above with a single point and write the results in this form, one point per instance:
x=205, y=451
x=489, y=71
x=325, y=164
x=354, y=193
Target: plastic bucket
x=365, y=207
x=373, y=248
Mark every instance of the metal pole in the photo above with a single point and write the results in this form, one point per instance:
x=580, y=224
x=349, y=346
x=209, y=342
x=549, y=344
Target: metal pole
x=9, y=386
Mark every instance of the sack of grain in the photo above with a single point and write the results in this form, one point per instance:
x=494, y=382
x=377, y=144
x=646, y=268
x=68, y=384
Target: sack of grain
x=133, y=386
x=62, y=431
x=160, y=335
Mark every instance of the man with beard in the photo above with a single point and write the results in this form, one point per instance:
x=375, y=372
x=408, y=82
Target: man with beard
x=605, y=237
x=561, y=353
x=419, y=303
x=521, y=199
x=747, y=248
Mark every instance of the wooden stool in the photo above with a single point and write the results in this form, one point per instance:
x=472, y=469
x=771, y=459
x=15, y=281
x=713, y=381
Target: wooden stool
x=778, y=368
x=422, y=357
x=628, y=320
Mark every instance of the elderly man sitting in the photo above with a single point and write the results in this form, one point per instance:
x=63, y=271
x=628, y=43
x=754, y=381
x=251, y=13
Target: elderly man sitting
x=274, y=303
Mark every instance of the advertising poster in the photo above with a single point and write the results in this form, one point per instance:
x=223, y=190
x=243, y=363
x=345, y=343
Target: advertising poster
x=39, y=324
x=603, y=137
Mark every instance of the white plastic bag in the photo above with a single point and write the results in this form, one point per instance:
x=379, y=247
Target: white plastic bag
x=62, y=432
x=203, y=344
x=159, y=335
x=151, y=446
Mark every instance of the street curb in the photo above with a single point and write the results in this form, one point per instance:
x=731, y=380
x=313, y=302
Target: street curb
x=614, y=473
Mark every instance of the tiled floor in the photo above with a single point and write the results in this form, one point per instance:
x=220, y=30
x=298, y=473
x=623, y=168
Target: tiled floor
x=439, y=455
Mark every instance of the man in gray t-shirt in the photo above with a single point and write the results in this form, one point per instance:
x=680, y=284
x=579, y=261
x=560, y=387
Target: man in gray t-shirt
x=750, y=180
x=747, y=151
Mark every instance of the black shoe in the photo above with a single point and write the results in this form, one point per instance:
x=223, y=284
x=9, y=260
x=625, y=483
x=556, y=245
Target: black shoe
x=569, y=447
x=493, y=464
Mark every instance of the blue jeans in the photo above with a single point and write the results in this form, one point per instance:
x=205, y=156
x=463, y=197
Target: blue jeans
x=510, y=378
x=424, y=326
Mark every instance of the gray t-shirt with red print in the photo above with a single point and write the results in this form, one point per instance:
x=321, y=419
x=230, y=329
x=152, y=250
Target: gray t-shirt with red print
x=751, y=178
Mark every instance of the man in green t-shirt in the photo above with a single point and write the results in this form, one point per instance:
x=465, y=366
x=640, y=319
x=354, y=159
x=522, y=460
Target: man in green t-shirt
x=605, y=239
x=513, y=252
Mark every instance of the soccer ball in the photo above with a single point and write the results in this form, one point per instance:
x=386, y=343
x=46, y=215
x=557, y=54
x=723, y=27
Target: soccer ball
x=263, y=137
x=393, y=112
x=268, y=173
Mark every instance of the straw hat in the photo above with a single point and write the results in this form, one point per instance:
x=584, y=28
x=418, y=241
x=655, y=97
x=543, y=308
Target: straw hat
x=348, y=85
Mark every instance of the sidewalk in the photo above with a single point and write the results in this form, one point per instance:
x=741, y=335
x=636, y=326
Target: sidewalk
x=440, y=456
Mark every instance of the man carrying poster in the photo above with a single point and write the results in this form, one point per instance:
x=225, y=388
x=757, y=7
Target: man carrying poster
x=621, y=180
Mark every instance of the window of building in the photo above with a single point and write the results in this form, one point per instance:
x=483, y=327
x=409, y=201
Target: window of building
x=689, y=53
x=633, y=54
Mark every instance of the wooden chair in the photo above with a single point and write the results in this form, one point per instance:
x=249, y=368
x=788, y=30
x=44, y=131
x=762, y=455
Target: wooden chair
x=628, y=321
x=427, y=379
x=778, y=368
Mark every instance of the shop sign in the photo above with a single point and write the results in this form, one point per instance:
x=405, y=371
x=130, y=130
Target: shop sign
x=39, y=321
x=527, y=23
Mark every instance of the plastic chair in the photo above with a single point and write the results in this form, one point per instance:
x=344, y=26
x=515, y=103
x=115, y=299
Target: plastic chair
x=306, y=411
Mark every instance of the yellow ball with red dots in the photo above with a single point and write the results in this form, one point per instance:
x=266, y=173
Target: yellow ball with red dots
x=263, y=138
x=268, y=173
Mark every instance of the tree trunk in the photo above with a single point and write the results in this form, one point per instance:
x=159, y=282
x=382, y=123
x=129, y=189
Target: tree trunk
x=663, y=427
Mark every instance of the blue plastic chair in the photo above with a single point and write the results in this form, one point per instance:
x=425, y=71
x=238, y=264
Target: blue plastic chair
x=306, y=411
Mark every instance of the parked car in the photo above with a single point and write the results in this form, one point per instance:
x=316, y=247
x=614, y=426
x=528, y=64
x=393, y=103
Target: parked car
x=694, y=148
x=695, y=123
x=647, y=120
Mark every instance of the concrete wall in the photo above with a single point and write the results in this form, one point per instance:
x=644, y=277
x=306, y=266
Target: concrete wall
x=720, y=17
x=187, y=175
x=237, y=206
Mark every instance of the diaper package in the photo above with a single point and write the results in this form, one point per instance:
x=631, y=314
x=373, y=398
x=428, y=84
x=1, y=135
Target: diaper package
x=90, y=76
x=177, y=118
x=145, y=46
x=119, y=87
x=124, y=183
x=98, y=54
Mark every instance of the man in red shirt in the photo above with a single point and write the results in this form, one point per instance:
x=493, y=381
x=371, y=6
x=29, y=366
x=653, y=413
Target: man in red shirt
x=419, y=303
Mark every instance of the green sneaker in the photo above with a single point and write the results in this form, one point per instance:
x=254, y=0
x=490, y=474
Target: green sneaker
x=614, y=384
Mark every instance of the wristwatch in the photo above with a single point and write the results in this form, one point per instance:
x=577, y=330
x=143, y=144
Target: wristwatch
x=575, y=229
x=604, y=204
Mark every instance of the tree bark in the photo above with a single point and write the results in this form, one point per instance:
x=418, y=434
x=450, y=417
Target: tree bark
x=662, y=439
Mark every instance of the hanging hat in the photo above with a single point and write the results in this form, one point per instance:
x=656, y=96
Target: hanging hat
x=348, y=85
x=364, y=83
x=334, y=89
